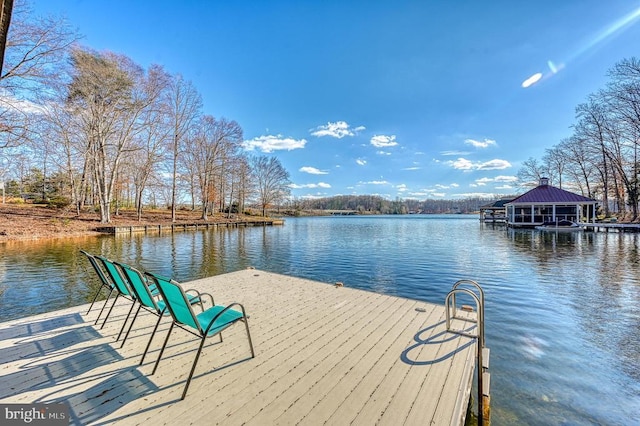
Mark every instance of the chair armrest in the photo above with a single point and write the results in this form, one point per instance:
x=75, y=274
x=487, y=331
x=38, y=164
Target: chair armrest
x=200, y=297
x=213, y=320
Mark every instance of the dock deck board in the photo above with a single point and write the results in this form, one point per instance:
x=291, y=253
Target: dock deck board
x=324, y=355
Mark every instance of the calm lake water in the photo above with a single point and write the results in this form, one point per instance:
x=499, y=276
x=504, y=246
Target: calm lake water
x=562, y=314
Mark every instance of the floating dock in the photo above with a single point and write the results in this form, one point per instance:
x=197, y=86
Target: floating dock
x=325, y=354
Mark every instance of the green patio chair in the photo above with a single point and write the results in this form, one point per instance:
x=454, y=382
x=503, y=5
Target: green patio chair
x=104, y=283
x=139, y=284
x=209, y=323
x=121, y=287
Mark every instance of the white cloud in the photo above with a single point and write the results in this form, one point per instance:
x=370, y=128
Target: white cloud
x=480, y=144
x=382, y=141
x=312, y=171
x=312, y=196
x=483, y=181
x=376, y=182
x=452, y=153
x=464, y=164
x=504, y=187
x=454, y=185
x=494, y=165
x=411, y=168
x=361, y=161
x=476, y=194
x=383, y=153
x=310, y=185
x=23, y=105
x=506, y=179
x=502, y=179
x=402, y=187
x=272, y=143
x=339, y=129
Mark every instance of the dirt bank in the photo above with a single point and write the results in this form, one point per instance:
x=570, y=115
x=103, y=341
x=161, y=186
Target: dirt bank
x=28, y=221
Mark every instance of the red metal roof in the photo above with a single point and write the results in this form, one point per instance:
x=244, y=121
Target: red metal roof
x=551, y=195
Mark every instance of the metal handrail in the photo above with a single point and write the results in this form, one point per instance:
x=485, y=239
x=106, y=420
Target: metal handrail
x=450, y=302
x=481, y=303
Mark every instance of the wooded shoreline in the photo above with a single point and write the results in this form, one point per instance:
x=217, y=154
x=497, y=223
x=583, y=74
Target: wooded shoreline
x=35, y=222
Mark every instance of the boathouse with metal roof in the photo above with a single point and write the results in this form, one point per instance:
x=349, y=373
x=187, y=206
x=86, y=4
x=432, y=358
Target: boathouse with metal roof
x=495, y=212
x=546, y=203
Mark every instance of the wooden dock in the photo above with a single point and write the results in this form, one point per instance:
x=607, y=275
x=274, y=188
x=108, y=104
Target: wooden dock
x=173, y=227
x=324, y=355
x=611, y=226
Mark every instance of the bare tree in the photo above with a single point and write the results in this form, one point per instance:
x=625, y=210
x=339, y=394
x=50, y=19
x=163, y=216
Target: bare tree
x=184, y=106
x=108, y=94
x=555, y=162
x=208, y=148
x=242, y=178
x=188, y=167
x=623, y=97
x=35, y=52
x=151, y=141
x=236, y=184
x=531, y=172
x=271, y=179
x=52, y=128
x=580, y=164
x=591, y=129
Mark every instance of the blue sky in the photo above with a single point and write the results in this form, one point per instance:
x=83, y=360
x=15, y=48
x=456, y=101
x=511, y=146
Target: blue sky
x=409, y=99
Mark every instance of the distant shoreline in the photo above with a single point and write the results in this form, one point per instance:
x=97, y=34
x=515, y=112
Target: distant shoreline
x=30, y=222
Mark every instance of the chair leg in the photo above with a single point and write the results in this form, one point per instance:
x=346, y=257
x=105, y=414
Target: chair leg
x=150, y=339
x=131, y=326
x=193, y=368
x=95, y=298
x=162, y=350
x=110, y=309
x=133, y=303
x=246, y=325
x=104, y=306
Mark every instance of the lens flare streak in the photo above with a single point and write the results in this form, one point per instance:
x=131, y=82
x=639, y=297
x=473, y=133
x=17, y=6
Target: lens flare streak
x=532, y=80
x=607, y=33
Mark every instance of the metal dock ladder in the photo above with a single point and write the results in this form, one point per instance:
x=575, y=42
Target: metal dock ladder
x=473, y=289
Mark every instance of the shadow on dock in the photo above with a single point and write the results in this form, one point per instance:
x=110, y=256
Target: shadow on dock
x=435, y=339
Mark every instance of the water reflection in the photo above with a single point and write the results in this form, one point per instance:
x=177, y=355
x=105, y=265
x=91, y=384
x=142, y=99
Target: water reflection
x=562, y=313
x=592, y=281
x=596, y=277
x=42, y=276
